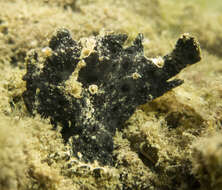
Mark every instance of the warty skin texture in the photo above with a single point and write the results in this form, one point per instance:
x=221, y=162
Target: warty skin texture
x=124, y=79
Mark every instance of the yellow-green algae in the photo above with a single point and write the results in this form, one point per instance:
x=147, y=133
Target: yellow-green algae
x=183, y=127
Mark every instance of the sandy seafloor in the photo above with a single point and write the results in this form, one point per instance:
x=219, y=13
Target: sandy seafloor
x=183, y=127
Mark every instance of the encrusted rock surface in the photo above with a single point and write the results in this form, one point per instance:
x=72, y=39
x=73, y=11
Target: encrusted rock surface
x=93, y=86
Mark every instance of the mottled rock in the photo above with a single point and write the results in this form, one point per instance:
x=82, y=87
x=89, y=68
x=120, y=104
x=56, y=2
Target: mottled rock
x=93, y=86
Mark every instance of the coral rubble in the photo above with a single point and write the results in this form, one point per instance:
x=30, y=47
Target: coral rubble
x=93, y=86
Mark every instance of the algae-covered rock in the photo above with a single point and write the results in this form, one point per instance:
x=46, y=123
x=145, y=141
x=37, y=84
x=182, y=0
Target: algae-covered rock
x=93, y=86
x=207, y=161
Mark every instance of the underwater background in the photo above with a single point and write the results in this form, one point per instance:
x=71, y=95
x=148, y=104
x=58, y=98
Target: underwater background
x=171, y=143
